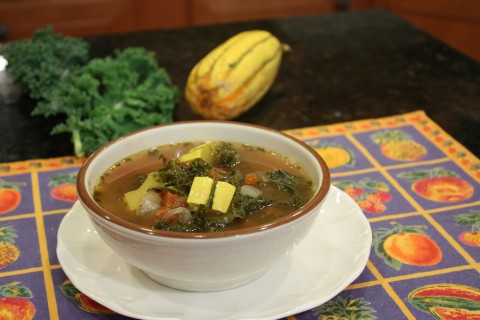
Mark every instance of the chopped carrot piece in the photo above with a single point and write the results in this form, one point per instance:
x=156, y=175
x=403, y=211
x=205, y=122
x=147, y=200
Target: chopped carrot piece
x=172, y=200
x=160, y=211
x=217, y=173
x=251, y=178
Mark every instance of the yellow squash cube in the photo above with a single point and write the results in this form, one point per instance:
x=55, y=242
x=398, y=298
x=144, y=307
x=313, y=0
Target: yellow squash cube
x=200, y=191
x=133, y=198
x=203, y=151
x=223, y=196
x=216, y=195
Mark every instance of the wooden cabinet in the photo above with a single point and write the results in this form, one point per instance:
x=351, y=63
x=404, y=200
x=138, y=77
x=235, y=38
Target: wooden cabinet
x=454, y=22
x=19, y=18
x=214, y=11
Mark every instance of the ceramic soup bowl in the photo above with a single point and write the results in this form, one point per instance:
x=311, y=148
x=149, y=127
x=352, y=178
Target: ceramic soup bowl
x=209, y=261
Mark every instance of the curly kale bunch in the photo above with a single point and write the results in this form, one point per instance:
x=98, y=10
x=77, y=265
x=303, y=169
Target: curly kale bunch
x=101, y=98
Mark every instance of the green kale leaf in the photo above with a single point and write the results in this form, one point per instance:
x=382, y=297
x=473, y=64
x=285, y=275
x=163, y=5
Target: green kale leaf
x=178, y=176
x=225, y=155
x=42, y=62
x=101, y=99
x=244, y=205
x=294, y=186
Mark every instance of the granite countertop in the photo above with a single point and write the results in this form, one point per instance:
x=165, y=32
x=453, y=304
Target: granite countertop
x=342, y=67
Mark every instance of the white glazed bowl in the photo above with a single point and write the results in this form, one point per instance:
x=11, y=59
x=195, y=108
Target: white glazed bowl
x=203, y=261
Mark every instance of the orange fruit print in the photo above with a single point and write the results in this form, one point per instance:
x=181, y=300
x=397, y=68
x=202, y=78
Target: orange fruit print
x=470, y=238
x=413, y=248
x=10, y=196
x=443, y=189
x=16, y=309
x=439, y=185
x=472, y=220
x=406, y=245
x=65, y=192
x=9, y=200
x=63, y=187
x=14, y=304
x=335, y=155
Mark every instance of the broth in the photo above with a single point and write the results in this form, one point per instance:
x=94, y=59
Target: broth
x=273, y=171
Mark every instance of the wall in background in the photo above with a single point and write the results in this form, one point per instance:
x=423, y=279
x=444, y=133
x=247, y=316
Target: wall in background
x=454, y=22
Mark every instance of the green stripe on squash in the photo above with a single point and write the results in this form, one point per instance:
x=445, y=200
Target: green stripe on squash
x=213, y=64
x=234, y=76
x=249, y=50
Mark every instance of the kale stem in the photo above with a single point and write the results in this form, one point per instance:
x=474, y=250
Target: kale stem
x=77, y=144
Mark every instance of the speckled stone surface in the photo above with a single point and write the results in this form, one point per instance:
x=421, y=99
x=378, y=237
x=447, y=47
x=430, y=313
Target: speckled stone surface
x=341, y=67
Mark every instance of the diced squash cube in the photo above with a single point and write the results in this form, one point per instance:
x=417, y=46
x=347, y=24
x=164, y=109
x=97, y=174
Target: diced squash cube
x=203, y=151
x=216, y=195
x=133, y=199
x=223, y=196
x=200, y=191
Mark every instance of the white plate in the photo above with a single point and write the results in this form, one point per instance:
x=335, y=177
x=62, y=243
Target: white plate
x=331, y=257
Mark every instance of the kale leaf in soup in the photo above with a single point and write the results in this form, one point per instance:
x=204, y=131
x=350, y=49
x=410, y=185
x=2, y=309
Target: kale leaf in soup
x=209, y=186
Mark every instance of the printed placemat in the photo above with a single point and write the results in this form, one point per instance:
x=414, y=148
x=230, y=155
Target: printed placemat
x=418, y=187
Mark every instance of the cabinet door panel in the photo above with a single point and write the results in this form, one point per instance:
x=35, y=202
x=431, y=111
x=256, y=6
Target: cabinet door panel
x=456, y=23
x=86, y=17
x=214, y=11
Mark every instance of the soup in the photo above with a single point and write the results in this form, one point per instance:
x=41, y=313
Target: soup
x=203, y=187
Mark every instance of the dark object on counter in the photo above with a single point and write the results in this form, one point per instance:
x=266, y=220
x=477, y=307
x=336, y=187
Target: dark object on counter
x=341, y=67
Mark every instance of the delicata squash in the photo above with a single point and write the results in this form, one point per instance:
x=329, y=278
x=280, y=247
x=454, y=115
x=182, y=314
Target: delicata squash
x=234, y=76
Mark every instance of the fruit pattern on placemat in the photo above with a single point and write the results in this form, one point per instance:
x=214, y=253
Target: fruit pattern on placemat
x=417, y=186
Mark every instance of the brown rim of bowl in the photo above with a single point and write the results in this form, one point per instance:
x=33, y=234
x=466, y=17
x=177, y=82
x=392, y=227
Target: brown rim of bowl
x=100, y=212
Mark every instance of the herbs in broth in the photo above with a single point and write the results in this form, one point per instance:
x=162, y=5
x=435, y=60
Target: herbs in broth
x=203, y=187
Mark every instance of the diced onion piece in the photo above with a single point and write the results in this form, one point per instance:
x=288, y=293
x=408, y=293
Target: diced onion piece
x=183, y=213
x=251, y=191
x=150, y=203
